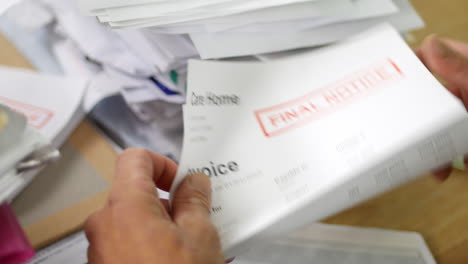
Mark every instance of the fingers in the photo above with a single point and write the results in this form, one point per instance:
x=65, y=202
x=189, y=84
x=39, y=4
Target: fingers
x=454, y=90
x=464, y=96
x=142, y=164
x=191, y=212
x=420, y=54
x=92, y=225
x=458, y=46
x=193, y=197
x=230, y=260
x=442, y=174
x=444, y=60
x=449, y=60
x=164, y=171
x=137, y=173
x=166, y=204
x=191, y=207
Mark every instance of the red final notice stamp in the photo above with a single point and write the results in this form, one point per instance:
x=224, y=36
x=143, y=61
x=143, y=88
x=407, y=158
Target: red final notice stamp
x=280, y=118
x=37, y=117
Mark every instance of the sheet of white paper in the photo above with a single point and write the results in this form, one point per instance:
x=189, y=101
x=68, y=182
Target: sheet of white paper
x=10, y=181
x=51, y=104
x=330, y=244
x=350, y=112
x=74, y=64
x=188, y=9
x=12, y=126
x=96, y=41
x=361, y=11
x=177, y=49
x=29, y=14
x=341, y=12
x=6, y=4
x=202, y=13
x=336, y=12
x=99, y=87
x=12, y=138
x=181, y=28
x=283, y=12
x=223, y=45
x=71, y=250
x=148, y=52
x=72, y=61
x=96, y=7
x=17, y=140
x=362, y=245
x=287, y=12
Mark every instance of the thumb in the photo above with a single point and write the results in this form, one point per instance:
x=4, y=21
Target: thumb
x=192, y=200
x=449, y=64
x=191, y=208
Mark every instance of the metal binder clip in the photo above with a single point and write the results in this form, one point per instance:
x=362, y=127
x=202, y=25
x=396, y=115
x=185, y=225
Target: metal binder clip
x=38, y=158
x=21, y=144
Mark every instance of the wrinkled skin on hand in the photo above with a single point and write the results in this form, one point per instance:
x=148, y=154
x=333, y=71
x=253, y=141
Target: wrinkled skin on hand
x=135, y=226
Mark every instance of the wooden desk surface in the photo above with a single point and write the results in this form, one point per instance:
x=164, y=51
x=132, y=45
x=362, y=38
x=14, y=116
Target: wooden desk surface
x=439, y=211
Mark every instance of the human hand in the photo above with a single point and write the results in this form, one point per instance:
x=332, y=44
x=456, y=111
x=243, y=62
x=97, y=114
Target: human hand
x=136, y=227
x=448, y=59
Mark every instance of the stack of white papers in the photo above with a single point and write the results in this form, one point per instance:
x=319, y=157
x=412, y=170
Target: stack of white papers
x=330, y=244
x=114, y=61
x=52, y=107
x=17, y=141
x=140, y=48
x=223, y=28
x=317, y=243
x=142, y=65
x=295, y=140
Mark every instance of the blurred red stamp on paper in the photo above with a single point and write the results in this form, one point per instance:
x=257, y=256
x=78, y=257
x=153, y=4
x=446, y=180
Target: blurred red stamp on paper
x=280, y=118
x=37, y=117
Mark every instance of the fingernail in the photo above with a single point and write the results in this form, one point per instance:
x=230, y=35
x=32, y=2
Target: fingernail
x=229, y=260
x=200, y=182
